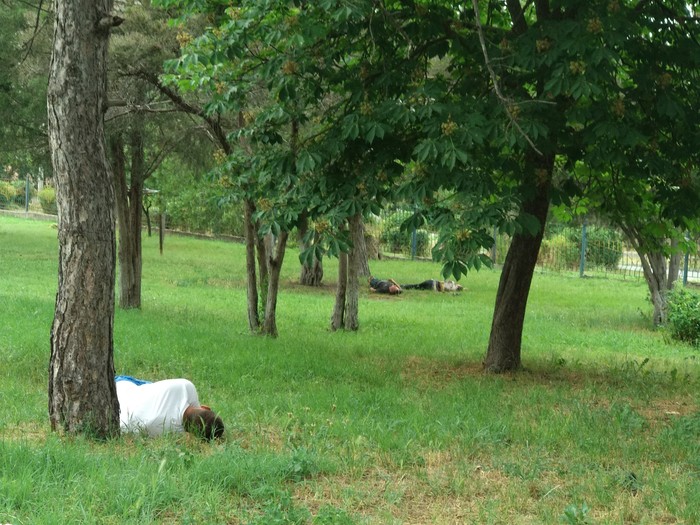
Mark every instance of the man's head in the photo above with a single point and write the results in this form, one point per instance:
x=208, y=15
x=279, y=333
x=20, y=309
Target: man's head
x=203, y=422
x=451, y=286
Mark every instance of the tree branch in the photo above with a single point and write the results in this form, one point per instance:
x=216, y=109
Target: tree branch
x=494, y=77
x=516, y=14
x=176, y=98
x=107, y=22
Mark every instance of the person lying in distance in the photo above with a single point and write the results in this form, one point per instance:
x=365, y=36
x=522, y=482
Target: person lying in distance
x=384, y=286
x=437, y=286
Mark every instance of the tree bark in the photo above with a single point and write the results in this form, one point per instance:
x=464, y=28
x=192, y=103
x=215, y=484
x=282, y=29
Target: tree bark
x=674, y=265
x=82, y=392
x=359, y=242
x=252, y=290
x=505, y=341
x=355, y=257
x=659, y=274
x=655, y=274
x=132, y=257
x=310, y=275
x=338, y=316
x=129, y=204
x=274, y=265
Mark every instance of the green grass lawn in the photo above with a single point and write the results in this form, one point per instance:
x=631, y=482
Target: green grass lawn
x=393, y=424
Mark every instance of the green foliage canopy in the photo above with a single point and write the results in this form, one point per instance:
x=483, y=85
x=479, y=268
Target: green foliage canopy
x=344, y=106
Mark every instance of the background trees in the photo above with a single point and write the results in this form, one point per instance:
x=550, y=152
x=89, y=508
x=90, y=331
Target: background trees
x=491, y=108
x=479, y=116
x=24, y=57
x=145, y=127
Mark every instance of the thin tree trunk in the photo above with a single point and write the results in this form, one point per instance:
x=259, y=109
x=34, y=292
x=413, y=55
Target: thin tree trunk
x=82, y=392
x=250, y=242
x=121, y=190
x=129, y=203
x=274, y=264
x=655, y=274
x=132, y=256
x=505, y=341
x=674, y=264
x=310, y=275
x=147, y=213
x=655, y=270
x=272, y=251
x=125, y=246
x=338, y=316
x=352, y=317
x=360, y=246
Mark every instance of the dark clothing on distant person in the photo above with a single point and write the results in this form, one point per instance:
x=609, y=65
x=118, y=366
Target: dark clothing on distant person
x=384, y=286
x=437, y=286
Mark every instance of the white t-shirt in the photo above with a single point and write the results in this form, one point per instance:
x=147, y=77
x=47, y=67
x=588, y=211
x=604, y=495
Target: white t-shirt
x=155, y=408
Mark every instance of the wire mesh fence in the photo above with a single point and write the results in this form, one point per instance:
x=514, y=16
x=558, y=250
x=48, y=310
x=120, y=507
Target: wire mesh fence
x=23, y=193
x=596, y=250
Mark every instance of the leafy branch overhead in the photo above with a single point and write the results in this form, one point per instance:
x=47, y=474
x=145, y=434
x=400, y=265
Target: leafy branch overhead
x=411, y=100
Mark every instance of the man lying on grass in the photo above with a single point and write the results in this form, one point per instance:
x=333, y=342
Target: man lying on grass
x=171, y=405
x=384, y=286
x=436, y=286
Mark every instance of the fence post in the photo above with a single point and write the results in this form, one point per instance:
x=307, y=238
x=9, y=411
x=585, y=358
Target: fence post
x=685, y=262
x=161, y=231
x=26, y=195
x=584, y=242
x=495, y=242
x=413, y=244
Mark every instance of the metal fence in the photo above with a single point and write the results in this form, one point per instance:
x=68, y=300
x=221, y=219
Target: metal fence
x=587, y=250
x=15, y=192
x=23, y=193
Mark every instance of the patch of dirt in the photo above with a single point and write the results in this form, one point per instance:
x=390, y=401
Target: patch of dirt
x=324, y=288
x=31, y=432
x=422, y=370
x=661, y=411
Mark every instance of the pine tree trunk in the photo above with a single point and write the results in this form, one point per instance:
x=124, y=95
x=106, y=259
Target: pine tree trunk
x=82, y=392
x=505, y=341
x=129, y=203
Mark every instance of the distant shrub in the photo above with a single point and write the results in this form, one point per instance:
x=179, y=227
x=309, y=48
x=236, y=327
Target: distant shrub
x=603, y=246
x=20, y=192
x=683, y=310
x=561, y=248
x=7, y=194
x=201, y=210
x=47, y=199
x=559, y=252
x=397, y=240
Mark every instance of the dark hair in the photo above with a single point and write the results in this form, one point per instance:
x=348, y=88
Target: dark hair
x=204, y=423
